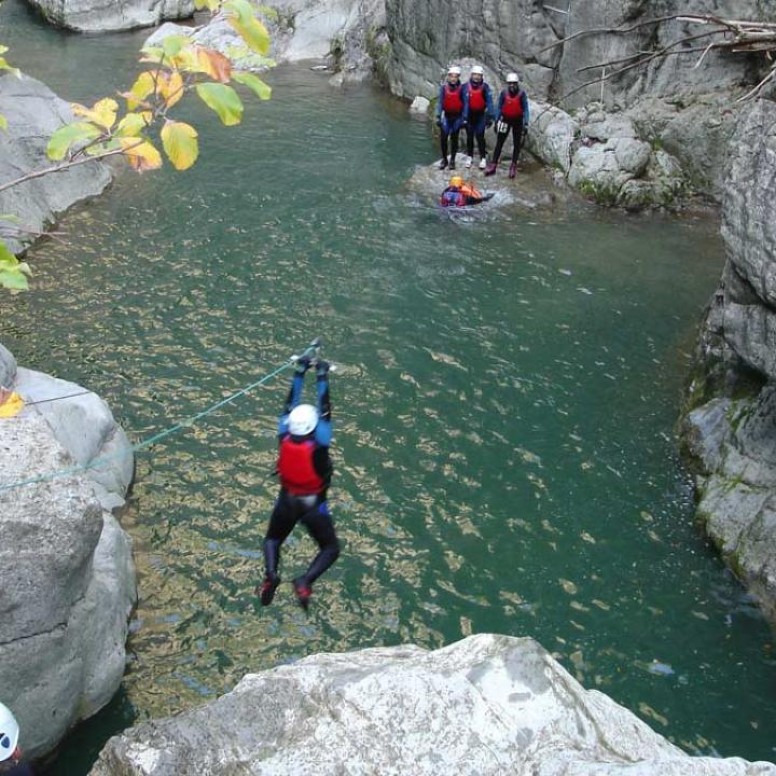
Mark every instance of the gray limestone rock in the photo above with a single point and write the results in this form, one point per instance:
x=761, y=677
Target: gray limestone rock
x=33, y=112
x=111, y=15
x=485, y=706
x=67, y=582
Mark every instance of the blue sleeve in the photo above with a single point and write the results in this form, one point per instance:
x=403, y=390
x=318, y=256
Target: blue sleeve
x=294, y=395
x=489, y=113
x=323, y=431
x=440, y=100
x=465, y=98
x=500, y=104
x=524, y=103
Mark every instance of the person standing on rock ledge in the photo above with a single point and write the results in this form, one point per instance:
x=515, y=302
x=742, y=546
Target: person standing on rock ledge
x=305, y=470
x=480, y=100
x=452, y=112
x=10, y=753
x=512, y=113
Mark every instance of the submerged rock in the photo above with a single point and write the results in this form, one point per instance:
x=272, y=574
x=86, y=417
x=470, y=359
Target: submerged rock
x=487, y=706
x=67, y=581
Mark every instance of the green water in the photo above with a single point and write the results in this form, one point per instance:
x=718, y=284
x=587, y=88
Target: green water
x=505, y=402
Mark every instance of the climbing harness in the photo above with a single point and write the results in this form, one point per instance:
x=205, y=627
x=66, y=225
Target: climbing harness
x=311, y=351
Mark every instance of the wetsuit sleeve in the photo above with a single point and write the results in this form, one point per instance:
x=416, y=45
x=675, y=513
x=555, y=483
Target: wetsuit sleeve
x=489, y=111
x=465, y=99
x=323, y=431
x=500, y=105
x=440, y=100
x=294, y=394
x=524, y=104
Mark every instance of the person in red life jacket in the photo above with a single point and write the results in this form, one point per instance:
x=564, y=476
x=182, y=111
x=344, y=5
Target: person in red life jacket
x=451, y=114
x=10, y=753
x=304, y=468
x=460, y=194
x=479, y=98
x=512, y=113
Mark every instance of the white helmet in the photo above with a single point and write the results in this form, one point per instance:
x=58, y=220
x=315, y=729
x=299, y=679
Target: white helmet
x=302, y=420
x=454, y=70
x=9, y=733
x=512, y=78
x=477, y=70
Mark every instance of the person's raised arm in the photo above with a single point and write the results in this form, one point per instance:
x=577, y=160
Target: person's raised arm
x=323, y=431
x=294, y=394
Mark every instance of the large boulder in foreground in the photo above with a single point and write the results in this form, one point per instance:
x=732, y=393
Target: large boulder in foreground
x=67, y=582
x=111, y=15
x=488, y=705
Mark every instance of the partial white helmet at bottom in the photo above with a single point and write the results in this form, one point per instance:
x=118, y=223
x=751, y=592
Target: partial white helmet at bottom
x=513, y=78
x=454, y=70
x=302, y=420
x=9, y=733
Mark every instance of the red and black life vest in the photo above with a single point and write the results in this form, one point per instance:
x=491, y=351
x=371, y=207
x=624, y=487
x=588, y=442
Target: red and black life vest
x=512, y=107
x=477, y=98
x=452, y=99
x=295, y=467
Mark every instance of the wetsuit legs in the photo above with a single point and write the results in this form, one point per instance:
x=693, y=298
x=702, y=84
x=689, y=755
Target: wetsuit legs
x=453, y=146
x=281, y=523
x=321, y=527
x=481, y=145
x=470, y=141
x=517, y=140
x=500, y=138
x=443, y=143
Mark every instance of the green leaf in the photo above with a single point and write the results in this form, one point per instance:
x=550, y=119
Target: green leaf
x=172, y=44
x=3, y=122
x=254, y=83
x=223, y=100
x=180, y=144
x=240, y=16
x=12, y=271
x=67, y=136
x=132, y=124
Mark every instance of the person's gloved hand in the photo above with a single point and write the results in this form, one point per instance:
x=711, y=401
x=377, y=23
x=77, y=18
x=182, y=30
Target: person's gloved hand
x=322, y=368
x=438, y=121
x=302, y=364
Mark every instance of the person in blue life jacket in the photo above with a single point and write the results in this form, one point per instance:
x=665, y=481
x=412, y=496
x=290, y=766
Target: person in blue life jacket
x=451, y=115
x=10, y=754
x=512, y=112
x=305, y=469
x=460, y=194
x=479, y=98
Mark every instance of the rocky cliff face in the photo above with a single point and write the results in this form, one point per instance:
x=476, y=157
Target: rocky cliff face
x=67, y=582
x=686, y=111
x=731, y=431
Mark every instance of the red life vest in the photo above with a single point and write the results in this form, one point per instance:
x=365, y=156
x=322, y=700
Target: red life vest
x=452, y=99
x=512, y=108
x=295, y=467
x=476, y=98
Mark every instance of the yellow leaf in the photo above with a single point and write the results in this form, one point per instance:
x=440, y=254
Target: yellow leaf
x=215, y=64
x=133, y=124
x=140, y=154
x=143, y=86
x=11, y=404
x=180, y=144
x=170, y=87
x=103, y=113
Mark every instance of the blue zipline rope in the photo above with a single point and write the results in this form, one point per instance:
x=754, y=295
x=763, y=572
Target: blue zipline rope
x=152, y=440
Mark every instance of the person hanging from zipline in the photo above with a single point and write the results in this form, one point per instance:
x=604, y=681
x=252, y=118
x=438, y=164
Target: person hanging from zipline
x=305, y=469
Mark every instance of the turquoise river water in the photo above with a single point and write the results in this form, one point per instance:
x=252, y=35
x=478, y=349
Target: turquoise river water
x=505, y=402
